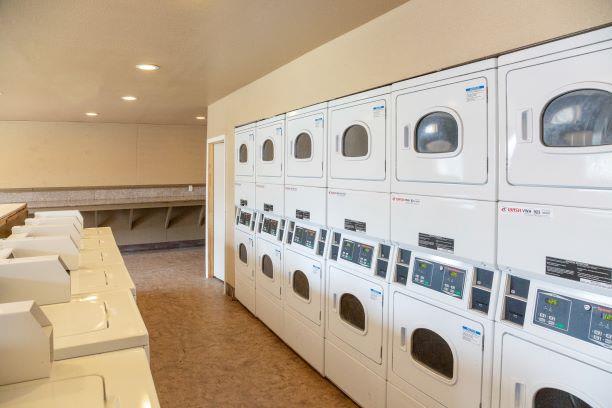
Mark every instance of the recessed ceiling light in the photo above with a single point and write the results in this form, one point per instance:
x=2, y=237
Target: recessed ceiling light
x=147, y=67
x=91, y=113
x=129, y=98
x=200, y=117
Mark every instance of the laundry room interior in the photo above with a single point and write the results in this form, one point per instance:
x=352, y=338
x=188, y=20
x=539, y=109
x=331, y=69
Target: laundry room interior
x=306, y=203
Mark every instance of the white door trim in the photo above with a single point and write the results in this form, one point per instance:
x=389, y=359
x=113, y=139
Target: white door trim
x=209, y=206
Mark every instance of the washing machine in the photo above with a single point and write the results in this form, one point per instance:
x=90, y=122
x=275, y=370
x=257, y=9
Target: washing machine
x=270, y=231
x=358, y=269
x=304, y=291
x=244, y=257
x=445, y=133
x=358, y=141
x=553, y=345
x=555, y=122
x=441, y=330
x=244, y=153
x=270, y=150
x=306, y=147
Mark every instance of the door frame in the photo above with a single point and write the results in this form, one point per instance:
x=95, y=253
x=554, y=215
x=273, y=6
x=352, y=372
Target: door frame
x=210, y=194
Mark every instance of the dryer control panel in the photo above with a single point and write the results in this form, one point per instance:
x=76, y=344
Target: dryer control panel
x=371, y=255
x=441, y=278
x=574, y=317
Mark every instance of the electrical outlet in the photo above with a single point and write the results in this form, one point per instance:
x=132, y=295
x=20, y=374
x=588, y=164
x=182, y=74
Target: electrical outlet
x=190, y=188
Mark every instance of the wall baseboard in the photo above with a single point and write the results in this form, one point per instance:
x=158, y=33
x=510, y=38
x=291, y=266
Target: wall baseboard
x=162, y=245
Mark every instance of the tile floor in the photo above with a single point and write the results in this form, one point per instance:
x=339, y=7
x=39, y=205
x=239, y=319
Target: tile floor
x=209, y=351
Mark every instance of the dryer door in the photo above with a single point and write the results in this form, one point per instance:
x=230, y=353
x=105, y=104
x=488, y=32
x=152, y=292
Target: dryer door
x=268, y=271
x=437, y=351
x=355, y=312
x=269, y=157
x=303, y=288
x=559, y=123
x=357, y=141
x=245, y=255
x=244, y=155
x=536, y=377
x=441, y=134
x=306, y=147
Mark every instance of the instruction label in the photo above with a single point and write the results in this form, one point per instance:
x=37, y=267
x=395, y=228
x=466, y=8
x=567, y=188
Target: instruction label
x=436, y=243
x=279, y=131
x=375, y=294
x=378, y=111
x=352, y=225
x=268, y=207
x=318, y=122
x=243, y=203
x=302, y=215
x=475, y=93
x=472, y=335
x=579, y=271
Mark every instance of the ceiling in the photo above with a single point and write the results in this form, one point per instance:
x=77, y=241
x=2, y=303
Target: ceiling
x=62, y=58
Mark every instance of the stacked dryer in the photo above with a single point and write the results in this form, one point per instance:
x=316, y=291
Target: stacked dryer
x=307, y=234
x=443, y=219
x=554, y=330
x=270, y=228
x=360, y=252
x=245, y=216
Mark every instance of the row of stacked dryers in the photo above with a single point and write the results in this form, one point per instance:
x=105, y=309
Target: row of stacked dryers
x=71, y=334
x=443, y=241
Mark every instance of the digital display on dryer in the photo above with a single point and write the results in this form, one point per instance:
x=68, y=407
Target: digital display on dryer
x=305, y=237
x=358, y=253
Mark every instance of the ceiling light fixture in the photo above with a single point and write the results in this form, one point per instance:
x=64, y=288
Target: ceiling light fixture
x=129, y=98
x=92, y=114
x=200, y=117
x=147, y=67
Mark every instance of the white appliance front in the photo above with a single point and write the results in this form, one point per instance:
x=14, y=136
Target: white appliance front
x=556, y=122
x=445, y=133
x=358, y=142
x=268, y=284
x=244, y=194
x=306, y=147
x=459, y=228
x=269, y=144
x=566, y=243
x=245, y=268
x=552, y=346
x=362, y=212
x=270, y=198
x=244, y=153
x=306, y=203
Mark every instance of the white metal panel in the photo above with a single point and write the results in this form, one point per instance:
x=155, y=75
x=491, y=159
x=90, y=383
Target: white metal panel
x=371, y=296
x=306, y=203
x=271, y=284
x=244, y=164
x=311, y=308
x=359, y=211
x=367, y=169
x=457, y=228
x=270, y=198
x=465, y=96
x=465, y=386
x=529, y=235
x=532, y=171
x=244, y=194
x=303, y=125
x=269, y=168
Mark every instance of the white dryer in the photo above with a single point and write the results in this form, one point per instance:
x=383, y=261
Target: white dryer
x=270, y=198
x=358, y=142
x=441, y=325
x=269, y=146
x=306, y=147
x=553, y=346
x=304, y=288
x=360, y=212
x=555, y=122
x=244, y=194
x=357, y=313
x=244, y=257
x=445, y=133
x=269, y=271
x=244, y=153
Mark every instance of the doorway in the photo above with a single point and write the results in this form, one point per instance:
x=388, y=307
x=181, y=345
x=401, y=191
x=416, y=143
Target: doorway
x=215, y=203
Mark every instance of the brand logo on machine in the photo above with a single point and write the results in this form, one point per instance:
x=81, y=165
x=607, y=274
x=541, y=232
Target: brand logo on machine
x=291, y=188
x=337, y=193
x=527, y=211
x=405, y=200
x=260, y=186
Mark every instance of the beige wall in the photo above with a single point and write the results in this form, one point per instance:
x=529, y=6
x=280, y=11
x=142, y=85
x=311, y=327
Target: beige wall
x=74, y=154
x=418, y=37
